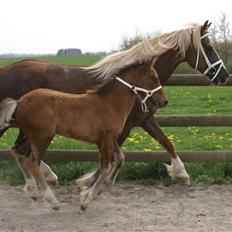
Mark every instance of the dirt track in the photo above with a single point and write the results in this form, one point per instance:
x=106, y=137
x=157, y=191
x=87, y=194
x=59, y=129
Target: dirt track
x=129, y=208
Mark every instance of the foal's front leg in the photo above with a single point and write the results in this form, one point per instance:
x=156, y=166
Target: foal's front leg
x=119, y=158
x=105, y=150
x=176, y=170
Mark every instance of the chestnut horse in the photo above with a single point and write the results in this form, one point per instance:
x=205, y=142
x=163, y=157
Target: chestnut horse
x=99, y=118
x=191, y=45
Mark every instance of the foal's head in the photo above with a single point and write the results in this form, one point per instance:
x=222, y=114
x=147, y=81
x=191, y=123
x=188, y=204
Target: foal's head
x=205, y=59
x=147, y=78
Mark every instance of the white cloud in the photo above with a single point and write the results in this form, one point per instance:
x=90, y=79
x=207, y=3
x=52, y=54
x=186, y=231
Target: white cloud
x=44, y=26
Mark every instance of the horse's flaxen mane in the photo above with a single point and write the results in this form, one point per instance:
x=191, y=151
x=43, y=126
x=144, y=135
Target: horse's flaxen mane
x=145, y=50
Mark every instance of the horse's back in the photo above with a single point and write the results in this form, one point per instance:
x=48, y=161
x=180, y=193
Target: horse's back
x=21, y=77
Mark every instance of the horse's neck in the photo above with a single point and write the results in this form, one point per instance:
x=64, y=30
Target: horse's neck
x=166, y=64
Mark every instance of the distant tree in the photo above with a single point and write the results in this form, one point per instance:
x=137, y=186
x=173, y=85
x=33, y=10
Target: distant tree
x=128, y=42
x=222, y=37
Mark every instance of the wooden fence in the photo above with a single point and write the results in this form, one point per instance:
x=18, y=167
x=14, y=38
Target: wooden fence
x=165, y=121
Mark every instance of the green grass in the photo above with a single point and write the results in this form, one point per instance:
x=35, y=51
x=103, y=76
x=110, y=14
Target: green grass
x=83, y=60
x=182, y=101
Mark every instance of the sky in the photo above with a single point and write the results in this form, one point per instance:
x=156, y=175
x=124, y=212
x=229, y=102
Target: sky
x=44, y=26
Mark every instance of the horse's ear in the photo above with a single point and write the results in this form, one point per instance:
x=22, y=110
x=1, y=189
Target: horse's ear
x=205, y=26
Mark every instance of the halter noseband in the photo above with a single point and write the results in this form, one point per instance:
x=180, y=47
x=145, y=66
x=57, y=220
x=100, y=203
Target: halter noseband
x=136, y=89
x=210, y=66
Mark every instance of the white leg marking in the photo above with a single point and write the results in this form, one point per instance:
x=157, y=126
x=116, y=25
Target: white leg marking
x=30, y=188
x=48, y=174
x=177, y=171
x=51, y=199
x=87, y=195
x=87, y=180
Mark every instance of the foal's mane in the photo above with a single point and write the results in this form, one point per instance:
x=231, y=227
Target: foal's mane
x=107, y=85
x=150, y=47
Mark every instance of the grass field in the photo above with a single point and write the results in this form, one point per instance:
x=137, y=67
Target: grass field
x=182, y=101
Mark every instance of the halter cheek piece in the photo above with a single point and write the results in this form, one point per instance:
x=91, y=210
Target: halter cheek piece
x=136, y=90
x=210, y=66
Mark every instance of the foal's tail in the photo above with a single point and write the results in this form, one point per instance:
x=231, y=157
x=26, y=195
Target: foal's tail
x=7, y=109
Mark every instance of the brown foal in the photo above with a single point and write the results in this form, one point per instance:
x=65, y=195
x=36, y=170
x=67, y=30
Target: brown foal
x=99, y=118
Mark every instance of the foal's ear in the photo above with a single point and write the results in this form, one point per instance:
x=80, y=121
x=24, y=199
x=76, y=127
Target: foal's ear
x=205, y=26
x=152, y=62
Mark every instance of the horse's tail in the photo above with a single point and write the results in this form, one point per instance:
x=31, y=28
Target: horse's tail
x=7, y=109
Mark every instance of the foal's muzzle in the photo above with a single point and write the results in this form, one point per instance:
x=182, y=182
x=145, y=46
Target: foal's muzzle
x=162, y=102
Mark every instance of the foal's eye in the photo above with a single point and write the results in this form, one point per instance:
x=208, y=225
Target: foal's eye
x=155, y=81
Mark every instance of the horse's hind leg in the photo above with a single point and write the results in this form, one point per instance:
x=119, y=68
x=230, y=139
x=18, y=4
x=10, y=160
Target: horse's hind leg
x=119, y=158
x=22, y=147
x=30, y=187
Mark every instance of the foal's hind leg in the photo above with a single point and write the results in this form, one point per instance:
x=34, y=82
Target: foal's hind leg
x=48, y=174
x=30, y=187
x=33, y=167
x=23, y=146
x=87, y=180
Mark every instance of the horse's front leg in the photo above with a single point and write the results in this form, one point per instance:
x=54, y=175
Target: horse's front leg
x=176, y=170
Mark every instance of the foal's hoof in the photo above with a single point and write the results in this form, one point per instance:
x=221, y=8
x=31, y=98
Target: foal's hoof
x=186, y=182
x=31, y=192
x=83, y=208
x=57, y=207
x=34, y=198
x=53, y=183
x=51, y=199
x=81, y=184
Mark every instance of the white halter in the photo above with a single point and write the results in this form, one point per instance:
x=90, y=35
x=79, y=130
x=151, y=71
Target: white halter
x=136, y=89
x=210, y=66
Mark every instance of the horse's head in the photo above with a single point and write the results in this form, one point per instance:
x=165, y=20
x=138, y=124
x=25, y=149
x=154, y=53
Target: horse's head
x=205, y=59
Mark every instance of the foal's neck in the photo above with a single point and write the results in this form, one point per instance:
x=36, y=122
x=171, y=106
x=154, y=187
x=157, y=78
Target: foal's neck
x=121, y=98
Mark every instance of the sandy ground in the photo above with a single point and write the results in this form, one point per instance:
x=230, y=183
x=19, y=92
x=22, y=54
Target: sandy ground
x=128, y=208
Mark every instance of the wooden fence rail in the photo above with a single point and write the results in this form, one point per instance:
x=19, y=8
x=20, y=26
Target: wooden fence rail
x=191, y=80
x=165, y=121
x=132, y=156
x=195, y=120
